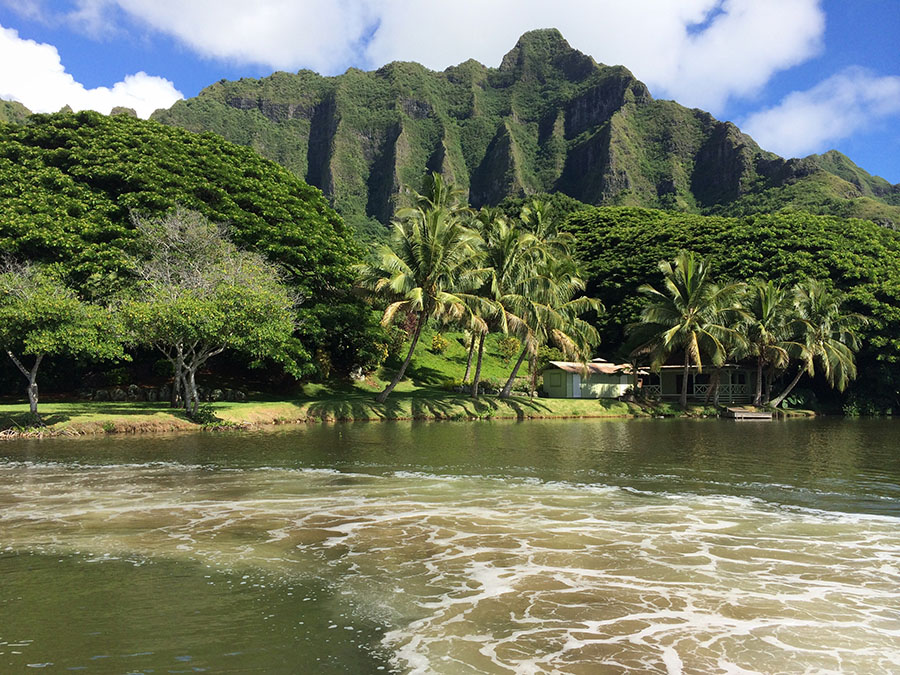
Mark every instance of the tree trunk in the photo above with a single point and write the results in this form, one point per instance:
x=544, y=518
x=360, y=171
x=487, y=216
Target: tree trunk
x=767, y=396
x=382, y=397
x=684, y=380
x=192, y=400
x=713, y=390
x=777, y=401
x=31, y=376
x=757, y=399
x=178, y=378
x=718, y=377
x=476, y=381
x=469, y=360
x=532, y=369
x=507, y=388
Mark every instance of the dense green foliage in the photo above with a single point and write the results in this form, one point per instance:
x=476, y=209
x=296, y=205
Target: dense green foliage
x=69, y=182
x=621, y=248
x=549, y=119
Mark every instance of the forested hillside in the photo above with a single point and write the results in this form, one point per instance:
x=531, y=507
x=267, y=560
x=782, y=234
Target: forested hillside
x=621, y=248
x=69, y=184
x=549, y=119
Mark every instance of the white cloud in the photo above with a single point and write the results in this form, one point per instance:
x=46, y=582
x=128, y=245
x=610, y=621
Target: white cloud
x=36, y=77
x=836, y=108
x=701, y=52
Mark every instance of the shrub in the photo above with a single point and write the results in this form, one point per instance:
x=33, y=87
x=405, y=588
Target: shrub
x=509, y=346
x=439, y=343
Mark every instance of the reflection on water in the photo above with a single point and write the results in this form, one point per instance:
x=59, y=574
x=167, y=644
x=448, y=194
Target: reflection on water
x=453, y=548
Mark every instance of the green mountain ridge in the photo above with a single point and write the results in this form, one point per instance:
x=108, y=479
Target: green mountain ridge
x=549, y=119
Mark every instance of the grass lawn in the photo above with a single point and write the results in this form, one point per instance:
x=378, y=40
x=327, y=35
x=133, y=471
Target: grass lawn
x=319, y=403
x=419, y=396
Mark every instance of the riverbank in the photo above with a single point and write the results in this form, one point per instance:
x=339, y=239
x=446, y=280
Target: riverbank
x=63, y=418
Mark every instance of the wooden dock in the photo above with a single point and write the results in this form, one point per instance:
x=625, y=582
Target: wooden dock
x=740, y=413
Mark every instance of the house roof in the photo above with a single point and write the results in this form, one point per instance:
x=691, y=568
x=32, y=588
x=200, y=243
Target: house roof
x=593, y=367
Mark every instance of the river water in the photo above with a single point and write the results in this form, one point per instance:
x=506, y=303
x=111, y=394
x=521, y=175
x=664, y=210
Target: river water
x=459, y=547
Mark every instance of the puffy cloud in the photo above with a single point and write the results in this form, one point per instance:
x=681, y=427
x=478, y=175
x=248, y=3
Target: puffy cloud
x=836, y=108
x=701, y=52
x=38, y=79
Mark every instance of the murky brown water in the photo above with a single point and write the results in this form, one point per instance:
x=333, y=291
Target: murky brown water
x=539, y=547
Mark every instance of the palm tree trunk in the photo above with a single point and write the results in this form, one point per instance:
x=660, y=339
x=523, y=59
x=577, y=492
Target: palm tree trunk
x=718, y=377
x=532, y=369
x=469, y=360
x=476, y=381
x=777, y=401
x=757, y=399
x=382, y=397
x=684, y=380
x=507, y=388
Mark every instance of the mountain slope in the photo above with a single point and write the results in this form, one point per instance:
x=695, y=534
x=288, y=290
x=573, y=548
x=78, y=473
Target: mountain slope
x=548, y=119
x=13, y=112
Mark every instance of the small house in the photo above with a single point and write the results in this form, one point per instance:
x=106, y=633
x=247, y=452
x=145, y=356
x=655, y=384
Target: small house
x=597, y=379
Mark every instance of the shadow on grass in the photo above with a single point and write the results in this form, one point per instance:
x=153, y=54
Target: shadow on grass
x=51, y=415
x=425, y=404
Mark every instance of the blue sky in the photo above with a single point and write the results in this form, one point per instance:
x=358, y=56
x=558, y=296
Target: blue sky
x=800, y=76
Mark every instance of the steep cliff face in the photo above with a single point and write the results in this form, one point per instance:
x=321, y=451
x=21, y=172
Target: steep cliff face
x=548, y=119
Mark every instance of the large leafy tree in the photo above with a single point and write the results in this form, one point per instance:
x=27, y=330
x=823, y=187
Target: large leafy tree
x=40, y=318
x=68, y=183
x=427, y=269
x=827, y=336
x=691, y=314
x=201, y=295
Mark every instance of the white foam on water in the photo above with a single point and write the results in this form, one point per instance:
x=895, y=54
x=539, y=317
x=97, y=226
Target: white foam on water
x=493, y=574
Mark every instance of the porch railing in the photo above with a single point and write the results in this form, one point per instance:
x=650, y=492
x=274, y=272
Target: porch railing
x=726, y=391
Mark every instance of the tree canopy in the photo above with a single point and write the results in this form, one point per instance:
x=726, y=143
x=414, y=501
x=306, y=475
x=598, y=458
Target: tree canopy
x=70, y=182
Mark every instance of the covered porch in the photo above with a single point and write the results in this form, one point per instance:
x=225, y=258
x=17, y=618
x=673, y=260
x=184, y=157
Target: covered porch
x=736, y=384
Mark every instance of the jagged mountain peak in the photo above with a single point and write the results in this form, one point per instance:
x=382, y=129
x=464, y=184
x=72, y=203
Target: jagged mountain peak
x=549, y=119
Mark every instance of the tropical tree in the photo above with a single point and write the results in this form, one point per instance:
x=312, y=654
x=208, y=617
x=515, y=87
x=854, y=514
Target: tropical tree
x=826, y=336
x=548, y=312
x=692, y=315
x=510, y=258
x=427, y=269
x=199, y=295
x=767, y=324
x=40, y=317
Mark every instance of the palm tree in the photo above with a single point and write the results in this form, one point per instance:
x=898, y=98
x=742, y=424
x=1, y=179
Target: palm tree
x=428, y=267
x=510, y=257
x=548, y=311
x=824, y=335
x=693, y=315
x=766, y=325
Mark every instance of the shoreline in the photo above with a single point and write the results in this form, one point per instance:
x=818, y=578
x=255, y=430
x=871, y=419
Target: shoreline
x=79, y=419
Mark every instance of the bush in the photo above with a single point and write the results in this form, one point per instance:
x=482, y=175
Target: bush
x=509, y=346
x=453, y=384
x=439, y=343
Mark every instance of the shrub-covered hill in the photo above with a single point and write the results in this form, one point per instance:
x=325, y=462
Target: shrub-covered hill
x=69, y=182
x=621, y=248
x=549, y=119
